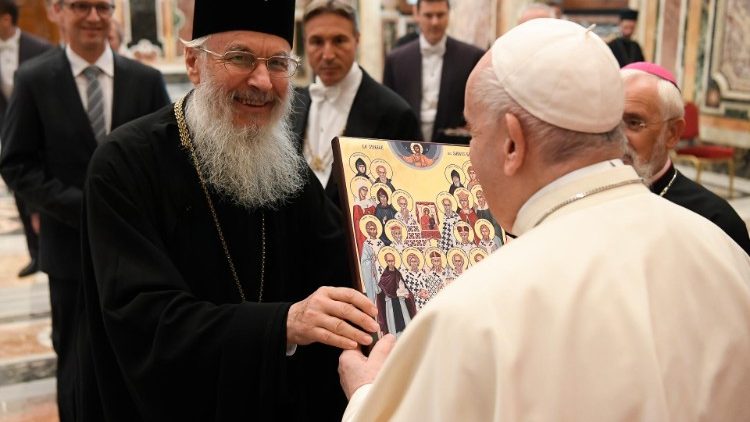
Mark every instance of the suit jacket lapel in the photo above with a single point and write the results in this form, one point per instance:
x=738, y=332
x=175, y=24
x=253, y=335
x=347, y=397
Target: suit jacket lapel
x=415, y=93
x=446, y=77
x=302, y=102
x=120, y=84
x=361, y=115
x=64, y=85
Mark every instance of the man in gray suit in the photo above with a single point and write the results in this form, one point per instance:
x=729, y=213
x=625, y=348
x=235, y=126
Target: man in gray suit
x=64, y=104
x=16, y=47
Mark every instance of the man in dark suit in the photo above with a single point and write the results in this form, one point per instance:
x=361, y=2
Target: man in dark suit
x=63, y=105
x=623, y=47
x=653, y=124
x=16, y=47
x=344, y=99
x=430, y=73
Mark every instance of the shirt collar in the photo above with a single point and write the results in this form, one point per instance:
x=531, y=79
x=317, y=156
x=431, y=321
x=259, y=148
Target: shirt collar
x=105, y=62
x=661, y=172
x=439, y=46
x=12, y=41
x=354, y=74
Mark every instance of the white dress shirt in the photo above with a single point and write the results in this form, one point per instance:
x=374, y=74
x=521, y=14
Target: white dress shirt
x=105, y=62
x=432, y=69
x=329, y=111
x=9, y=62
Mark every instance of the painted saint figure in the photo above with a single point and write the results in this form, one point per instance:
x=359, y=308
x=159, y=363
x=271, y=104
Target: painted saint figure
x=384, y=211
x=395, y=302
x=383, y=177
x=361, y=167
x=487, y=238
x=427, y=220
x=417, y=159
x=416, y=279
x=465, y=211
x=369, y=260
x=447, y=239
x=364, y=205
x=455, y=182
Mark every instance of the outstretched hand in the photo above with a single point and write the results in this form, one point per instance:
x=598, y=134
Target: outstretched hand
x=356, y=370
x=327, y=315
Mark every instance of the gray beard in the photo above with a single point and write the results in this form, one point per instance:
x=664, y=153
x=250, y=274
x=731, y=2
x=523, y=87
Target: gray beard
x=647, y=169
x=255, y=166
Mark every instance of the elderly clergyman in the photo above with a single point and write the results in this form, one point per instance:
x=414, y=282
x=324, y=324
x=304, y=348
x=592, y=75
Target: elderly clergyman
x=653, y=117
x=611, y=304
x=196, y=307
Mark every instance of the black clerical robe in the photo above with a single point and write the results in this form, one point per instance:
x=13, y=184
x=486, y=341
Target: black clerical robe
x=164, y=337
x=696, y=198
x=626, y=51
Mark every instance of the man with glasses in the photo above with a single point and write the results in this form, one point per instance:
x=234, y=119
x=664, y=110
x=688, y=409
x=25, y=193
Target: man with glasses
x=201, y=302
x=344, y=99
x=654, y=121
x=64, y=103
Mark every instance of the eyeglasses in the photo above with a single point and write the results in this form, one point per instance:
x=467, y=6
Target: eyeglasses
x=83, y=8
x=246, y=62
x=636, y=125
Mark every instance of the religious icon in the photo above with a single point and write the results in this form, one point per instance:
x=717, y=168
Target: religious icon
x=411, y=238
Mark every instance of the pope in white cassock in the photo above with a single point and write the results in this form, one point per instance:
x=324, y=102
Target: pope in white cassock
x=612, y=304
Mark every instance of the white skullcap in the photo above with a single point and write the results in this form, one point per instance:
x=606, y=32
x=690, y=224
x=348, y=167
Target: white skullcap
x=561, y=73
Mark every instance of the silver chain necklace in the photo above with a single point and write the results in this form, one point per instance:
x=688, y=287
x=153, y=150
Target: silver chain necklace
x=581, y=195
x=187, y=144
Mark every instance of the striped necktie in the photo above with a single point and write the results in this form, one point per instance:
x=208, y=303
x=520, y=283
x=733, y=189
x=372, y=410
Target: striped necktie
x=95, y=99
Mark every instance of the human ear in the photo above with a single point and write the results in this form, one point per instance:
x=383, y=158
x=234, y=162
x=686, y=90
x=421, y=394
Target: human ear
x=674, y=131
x=514, y=146
x=191, y=63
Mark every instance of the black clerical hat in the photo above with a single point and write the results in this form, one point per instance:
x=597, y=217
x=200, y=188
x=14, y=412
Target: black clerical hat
x=275, y=17
x=629, y=14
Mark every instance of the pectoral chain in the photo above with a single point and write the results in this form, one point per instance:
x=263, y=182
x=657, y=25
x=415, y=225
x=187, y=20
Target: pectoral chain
x=188, y=144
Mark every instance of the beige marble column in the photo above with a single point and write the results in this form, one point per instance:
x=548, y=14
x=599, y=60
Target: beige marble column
x=472, y=21
x=371, y=38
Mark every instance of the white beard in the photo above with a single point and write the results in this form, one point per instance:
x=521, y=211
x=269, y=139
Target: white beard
x=254, y=165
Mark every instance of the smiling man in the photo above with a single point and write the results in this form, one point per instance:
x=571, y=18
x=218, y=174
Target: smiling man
x=196, y=307
x=611, y=304
x=344, y=99
x=64, y=104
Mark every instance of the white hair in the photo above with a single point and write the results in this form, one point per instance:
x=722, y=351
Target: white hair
x=556, y=144
x=255, y=165
x=196, y=43
x=671, y=105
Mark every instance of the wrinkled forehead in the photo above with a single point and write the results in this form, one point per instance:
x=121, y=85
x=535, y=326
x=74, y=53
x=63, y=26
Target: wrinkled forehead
x=260, y=43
